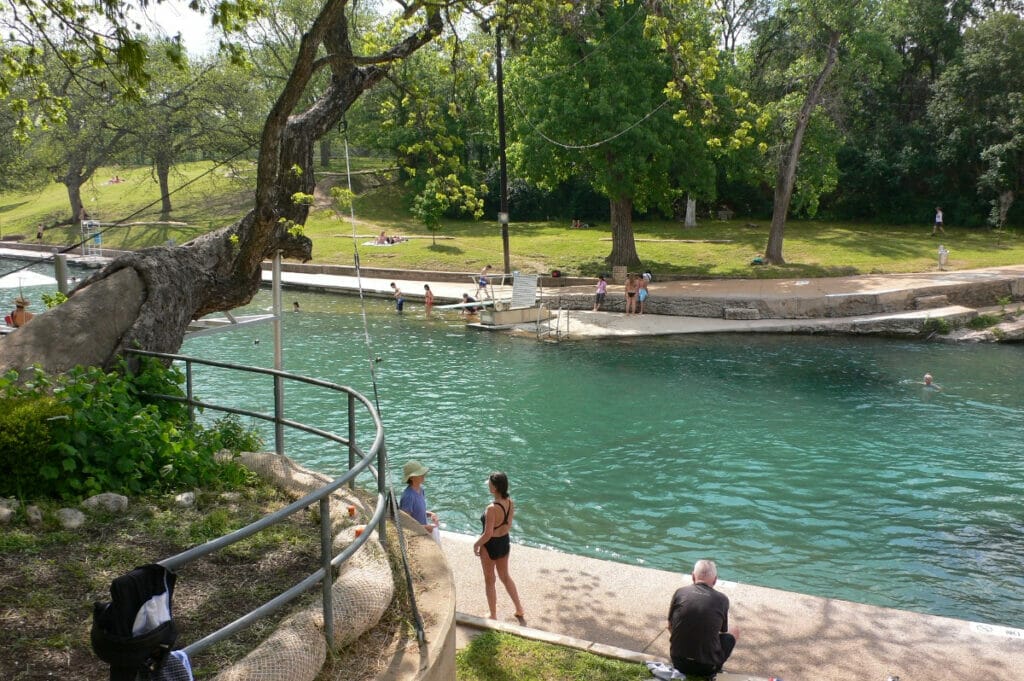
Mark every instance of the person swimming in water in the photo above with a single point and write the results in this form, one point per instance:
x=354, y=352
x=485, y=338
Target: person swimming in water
x=929, y=383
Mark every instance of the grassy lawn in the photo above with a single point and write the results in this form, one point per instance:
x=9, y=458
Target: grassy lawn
x=493, y=656
x=712, y=249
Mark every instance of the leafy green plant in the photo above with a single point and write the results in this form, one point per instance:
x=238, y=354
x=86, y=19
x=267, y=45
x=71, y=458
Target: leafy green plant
x=1003, y=301
x=51, y=300
x=94, y=431
x=983, y=321
x=25, y=437
x=938, y=325
x=227, y=432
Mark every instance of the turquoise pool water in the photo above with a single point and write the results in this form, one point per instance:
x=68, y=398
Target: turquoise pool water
x=812, y=464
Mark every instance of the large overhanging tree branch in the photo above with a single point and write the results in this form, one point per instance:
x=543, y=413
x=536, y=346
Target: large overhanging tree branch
x=147, y=299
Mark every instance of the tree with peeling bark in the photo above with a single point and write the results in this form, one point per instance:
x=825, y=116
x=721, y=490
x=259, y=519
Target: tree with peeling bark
x=147, y=299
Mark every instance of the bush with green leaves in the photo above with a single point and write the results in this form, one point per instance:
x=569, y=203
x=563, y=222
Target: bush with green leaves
x=937, y=325
x=90, y=431
x=983, y=321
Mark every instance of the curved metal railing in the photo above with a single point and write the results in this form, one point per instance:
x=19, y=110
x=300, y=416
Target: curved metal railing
x=359, y=460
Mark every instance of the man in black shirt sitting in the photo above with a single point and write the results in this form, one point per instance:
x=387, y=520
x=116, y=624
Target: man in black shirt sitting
x=698, y=619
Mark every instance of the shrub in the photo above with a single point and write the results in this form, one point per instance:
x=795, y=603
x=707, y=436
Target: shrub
x=937, y=325
x=25, y=441
x=983, y=321
x=103, y=433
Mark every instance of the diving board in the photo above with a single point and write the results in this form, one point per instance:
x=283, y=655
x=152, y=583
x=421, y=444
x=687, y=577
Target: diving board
x=26, y=279
x=207, y=325
x=456, y=306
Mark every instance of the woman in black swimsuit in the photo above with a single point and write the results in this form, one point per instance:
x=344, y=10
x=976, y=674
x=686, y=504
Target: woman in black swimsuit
x=493, y=544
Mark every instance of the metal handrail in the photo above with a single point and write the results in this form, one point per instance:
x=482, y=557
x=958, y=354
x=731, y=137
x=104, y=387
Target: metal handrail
x=358, y=462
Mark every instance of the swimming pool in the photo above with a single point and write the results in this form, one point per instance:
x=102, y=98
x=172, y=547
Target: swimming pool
x=812, y=464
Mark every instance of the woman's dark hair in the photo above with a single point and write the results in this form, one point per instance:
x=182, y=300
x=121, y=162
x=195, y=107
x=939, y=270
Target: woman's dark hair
x=500, y=482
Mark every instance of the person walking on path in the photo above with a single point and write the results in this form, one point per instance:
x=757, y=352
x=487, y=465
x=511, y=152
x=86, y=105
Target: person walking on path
x=938, y=222
x=698, y=619
x=483, y=283
x=414, y=499
x=602, y=291
x=428, y=298
x=399, y=298
x=493, y=545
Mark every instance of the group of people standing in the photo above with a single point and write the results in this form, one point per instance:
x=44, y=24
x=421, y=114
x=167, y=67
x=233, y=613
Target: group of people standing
x=637, y=292
x=700, y=640
x=493, y=546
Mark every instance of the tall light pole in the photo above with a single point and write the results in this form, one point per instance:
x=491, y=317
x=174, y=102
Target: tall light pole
x=502, y=163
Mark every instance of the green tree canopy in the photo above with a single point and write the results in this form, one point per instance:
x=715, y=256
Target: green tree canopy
x=978, y=110
x=593, y=94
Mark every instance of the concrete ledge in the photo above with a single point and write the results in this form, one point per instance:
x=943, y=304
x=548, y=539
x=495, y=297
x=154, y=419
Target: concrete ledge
x=929, y=302
x=742, y=313
x=434, y=587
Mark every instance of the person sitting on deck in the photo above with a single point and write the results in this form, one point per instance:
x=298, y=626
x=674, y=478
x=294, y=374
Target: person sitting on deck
x=698, y=619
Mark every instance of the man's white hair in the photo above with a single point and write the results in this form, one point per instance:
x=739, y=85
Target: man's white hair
x=704, y=570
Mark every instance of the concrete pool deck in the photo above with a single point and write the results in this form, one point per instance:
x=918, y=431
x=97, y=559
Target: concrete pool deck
x=895, y=304
x=620, y=610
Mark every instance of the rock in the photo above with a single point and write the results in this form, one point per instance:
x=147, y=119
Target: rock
x=108, y=501
x=34, y=515
x=12, y=504
x=70, y=518
x=185, y=499
x=1004, y=332
x=6, y=513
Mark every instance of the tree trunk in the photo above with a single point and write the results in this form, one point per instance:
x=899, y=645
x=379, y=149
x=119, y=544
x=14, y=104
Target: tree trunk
x=163, y=171
x=160, y=290
x=1005, y=202
x=325, y=152
x=786, y=177
x=691, y=213
x=74, y=186
x=623, y=244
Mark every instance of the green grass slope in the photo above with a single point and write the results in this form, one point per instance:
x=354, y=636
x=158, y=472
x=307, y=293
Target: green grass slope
x=216, y=196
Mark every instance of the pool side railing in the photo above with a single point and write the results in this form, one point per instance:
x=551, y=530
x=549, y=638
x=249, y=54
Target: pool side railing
x=359, y=460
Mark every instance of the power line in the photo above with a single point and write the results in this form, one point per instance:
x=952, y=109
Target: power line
x=591, y=145
x=607, y=42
